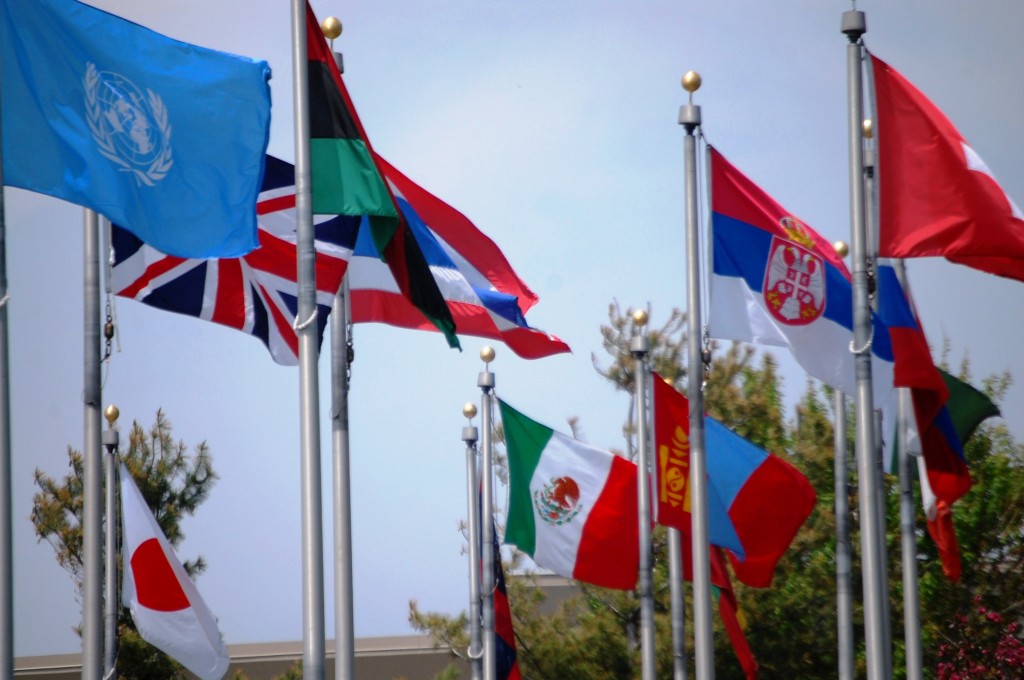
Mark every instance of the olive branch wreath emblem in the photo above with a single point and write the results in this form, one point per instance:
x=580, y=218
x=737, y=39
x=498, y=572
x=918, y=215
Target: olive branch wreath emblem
x=156, y=170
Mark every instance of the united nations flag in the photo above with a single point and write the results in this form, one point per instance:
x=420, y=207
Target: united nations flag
x=163, y=138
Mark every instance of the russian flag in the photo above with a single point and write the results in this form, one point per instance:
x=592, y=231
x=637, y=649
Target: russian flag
x=775, y=281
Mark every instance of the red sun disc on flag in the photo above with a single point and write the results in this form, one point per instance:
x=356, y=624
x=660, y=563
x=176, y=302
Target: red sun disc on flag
x=156, y=585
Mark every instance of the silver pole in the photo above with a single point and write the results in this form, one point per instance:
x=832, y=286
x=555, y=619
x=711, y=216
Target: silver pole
x=6, y=517
x=844, y=588
x=638, y=347
x=678, y=602
x=485, y=382
x=110, y=442
x=313, y=655
x=689, y=117
x=854, y=26
x=344, y=620
x=908, y=536
x=92, y=483
x=469, y=435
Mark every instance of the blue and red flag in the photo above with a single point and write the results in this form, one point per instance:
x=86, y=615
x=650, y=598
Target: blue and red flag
x=257, y=293
x=754, y=498
x=940, y=445
x=775, y=281
x=504, y=637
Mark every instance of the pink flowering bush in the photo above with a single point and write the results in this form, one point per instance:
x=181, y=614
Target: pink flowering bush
x=982, y=644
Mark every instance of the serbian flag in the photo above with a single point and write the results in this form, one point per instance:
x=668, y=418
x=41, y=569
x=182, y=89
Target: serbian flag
x=937, y=196
x=754, y=498
x=940, y=446
x=775, y=281
x=347, y=181
x=485, y=296
x=165, y=605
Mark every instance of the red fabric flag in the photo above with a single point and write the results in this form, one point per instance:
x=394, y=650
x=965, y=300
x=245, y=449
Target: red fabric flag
x=942, y=532
x=938, y=198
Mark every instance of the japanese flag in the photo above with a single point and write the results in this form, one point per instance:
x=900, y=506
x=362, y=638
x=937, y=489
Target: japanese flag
x=165, y=605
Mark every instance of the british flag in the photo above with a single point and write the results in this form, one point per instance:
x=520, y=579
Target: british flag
x=256, y=293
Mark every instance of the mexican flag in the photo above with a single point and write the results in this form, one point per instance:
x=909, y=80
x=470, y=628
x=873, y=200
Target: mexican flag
x=572, y=508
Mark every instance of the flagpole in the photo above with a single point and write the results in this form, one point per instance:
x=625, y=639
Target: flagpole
x=678, y=603
x=341, y=361
x=313, y=654
x=6, y=516
x=110, y=442
x=690, y=119
x=908, y=534
x=92, y=474
x=469, y=436
x=638, y=347
x=485, y=381
x=844, y=588
x=854, y=26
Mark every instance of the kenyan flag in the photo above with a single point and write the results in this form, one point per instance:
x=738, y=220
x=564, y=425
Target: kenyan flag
x=347, y=181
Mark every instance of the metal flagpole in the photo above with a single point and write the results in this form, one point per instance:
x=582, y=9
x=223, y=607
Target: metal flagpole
x=110, y=442
x=638, y=347
x=92, y=483
x=908, y=536
x=6, y=518
x=689, y=118
x=313, y=654
x=469, y=436
x=844, y=588
x=341, y=360
x=485, y=382
x=854, y=26
x=678, y=603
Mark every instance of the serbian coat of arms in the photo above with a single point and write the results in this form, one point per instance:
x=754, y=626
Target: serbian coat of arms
x=794, y=280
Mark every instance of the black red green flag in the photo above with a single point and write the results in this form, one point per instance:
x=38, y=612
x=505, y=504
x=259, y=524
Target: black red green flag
x=347, y=181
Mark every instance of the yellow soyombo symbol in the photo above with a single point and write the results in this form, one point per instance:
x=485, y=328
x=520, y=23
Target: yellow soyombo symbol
x=674, y=469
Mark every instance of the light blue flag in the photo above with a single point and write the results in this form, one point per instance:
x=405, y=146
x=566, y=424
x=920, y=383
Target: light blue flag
x=164, y=138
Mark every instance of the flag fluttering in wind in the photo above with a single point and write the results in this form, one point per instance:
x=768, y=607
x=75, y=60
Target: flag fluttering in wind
x=937, y=196
x=164, y=603
x=256, y=293
x=755, y=499
x=485, y=296
x=162, y=137
x=775, y=281
x=573, y=508
x=347, y=181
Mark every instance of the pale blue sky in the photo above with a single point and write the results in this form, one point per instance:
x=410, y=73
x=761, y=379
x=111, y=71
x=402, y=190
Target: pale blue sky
x=552, y=125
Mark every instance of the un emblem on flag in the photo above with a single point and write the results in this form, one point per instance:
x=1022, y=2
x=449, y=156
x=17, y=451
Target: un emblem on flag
x=130, y=128
x=794, y=282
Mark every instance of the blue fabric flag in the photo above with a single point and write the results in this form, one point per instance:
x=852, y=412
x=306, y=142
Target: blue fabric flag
x=164, y=138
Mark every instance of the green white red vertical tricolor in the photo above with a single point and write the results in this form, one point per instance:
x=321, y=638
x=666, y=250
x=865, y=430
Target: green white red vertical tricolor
x=572, y=507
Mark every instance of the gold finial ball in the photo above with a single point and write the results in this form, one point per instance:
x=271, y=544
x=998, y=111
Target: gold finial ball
x=469, y=410
x=691, y=81
x=112, y=413
x=869, y=128
x=640, y=317
x=331, y=27
x=487, y=354
x=841, y=248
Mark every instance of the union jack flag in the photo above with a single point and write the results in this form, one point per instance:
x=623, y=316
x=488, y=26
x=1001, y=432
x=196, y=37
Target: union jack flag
x=256, y=293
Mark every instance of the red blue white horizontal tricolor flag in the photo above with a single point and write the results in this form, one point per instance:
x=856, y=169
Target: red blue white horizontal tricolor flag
x=775, y=281
x=257, y=293
x=165, y=605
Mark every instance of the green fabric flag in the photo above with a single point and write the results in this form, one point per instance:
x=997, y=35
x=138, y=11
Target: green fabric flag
x=967, y=405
